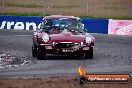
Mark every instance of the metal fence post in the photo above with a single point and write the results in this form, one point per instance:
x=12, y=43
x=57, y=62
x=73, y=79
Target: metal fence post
x=130, y=9
x=3, y=4
x=45, y=7
x=87, y=8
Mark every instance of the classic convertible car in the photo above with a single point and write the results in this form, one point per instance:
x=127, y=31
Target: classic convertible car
x=62, y=35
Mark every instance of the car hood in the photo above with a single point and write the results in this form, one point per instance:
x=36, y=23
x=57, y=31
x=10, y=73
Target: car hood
x=66, y=36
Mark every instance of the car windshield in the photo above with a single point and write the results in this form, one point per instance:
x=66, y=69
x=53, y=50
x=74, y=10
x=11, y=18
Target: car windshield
x=63, y=23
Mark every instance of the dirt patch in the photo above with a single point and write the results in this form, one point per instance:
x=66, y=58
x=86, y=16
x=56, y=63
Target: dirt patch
x=54, y=82
x=8, y=61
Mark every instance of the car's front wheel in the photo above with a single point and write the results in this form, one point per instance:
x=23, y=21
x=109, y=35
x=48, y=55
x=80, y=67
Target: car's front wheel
x=89, y=54
x=34, y=50
x=40, y=54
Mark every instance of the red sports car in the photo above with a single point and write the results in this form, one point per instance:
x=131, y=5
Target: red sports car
x=62, y=35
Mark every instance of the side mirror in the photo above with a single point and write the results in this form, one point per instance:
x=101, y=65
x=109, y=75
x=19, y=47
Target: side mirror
x=42, y=25
x=83, y=26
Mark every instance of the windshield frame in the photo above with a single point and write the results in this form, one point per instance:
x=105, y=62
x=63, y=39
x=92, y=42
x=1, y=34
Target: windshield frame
x=67, y=23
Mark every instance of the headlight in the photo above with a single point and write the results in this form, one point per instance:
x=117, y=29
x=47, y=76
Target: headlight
x=46, y=38
x=88, y=39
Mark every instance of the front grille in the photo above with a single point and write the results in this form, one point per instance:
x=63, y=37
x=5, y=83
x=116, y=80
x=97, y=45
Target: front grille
x=65, y=45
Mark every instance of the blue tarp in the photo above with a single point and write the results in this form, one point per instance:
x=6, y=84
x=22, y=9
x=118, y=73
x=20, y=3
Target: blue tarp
x=26, y=22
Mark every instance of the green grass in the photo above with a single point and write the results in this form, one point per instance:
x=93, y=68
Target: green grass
x=23, y=14
x=64, y=6
x=42, y=14
x=109, y=17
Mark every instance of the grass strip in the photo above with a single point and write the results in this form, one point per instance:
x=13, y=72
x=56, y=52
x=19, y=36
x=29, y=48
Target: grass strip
x=42, y=14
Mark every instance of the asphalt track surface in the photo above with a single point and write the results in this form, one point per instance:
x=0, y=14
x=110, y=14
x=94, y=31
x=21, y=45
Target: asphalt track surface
x=112, y=54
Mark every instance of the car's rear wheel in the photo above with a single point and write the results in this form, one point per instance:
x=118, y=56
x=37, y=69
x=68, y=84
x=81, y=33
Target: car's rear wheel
x=34, y=50
x=89, y=54
x=40, y=54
